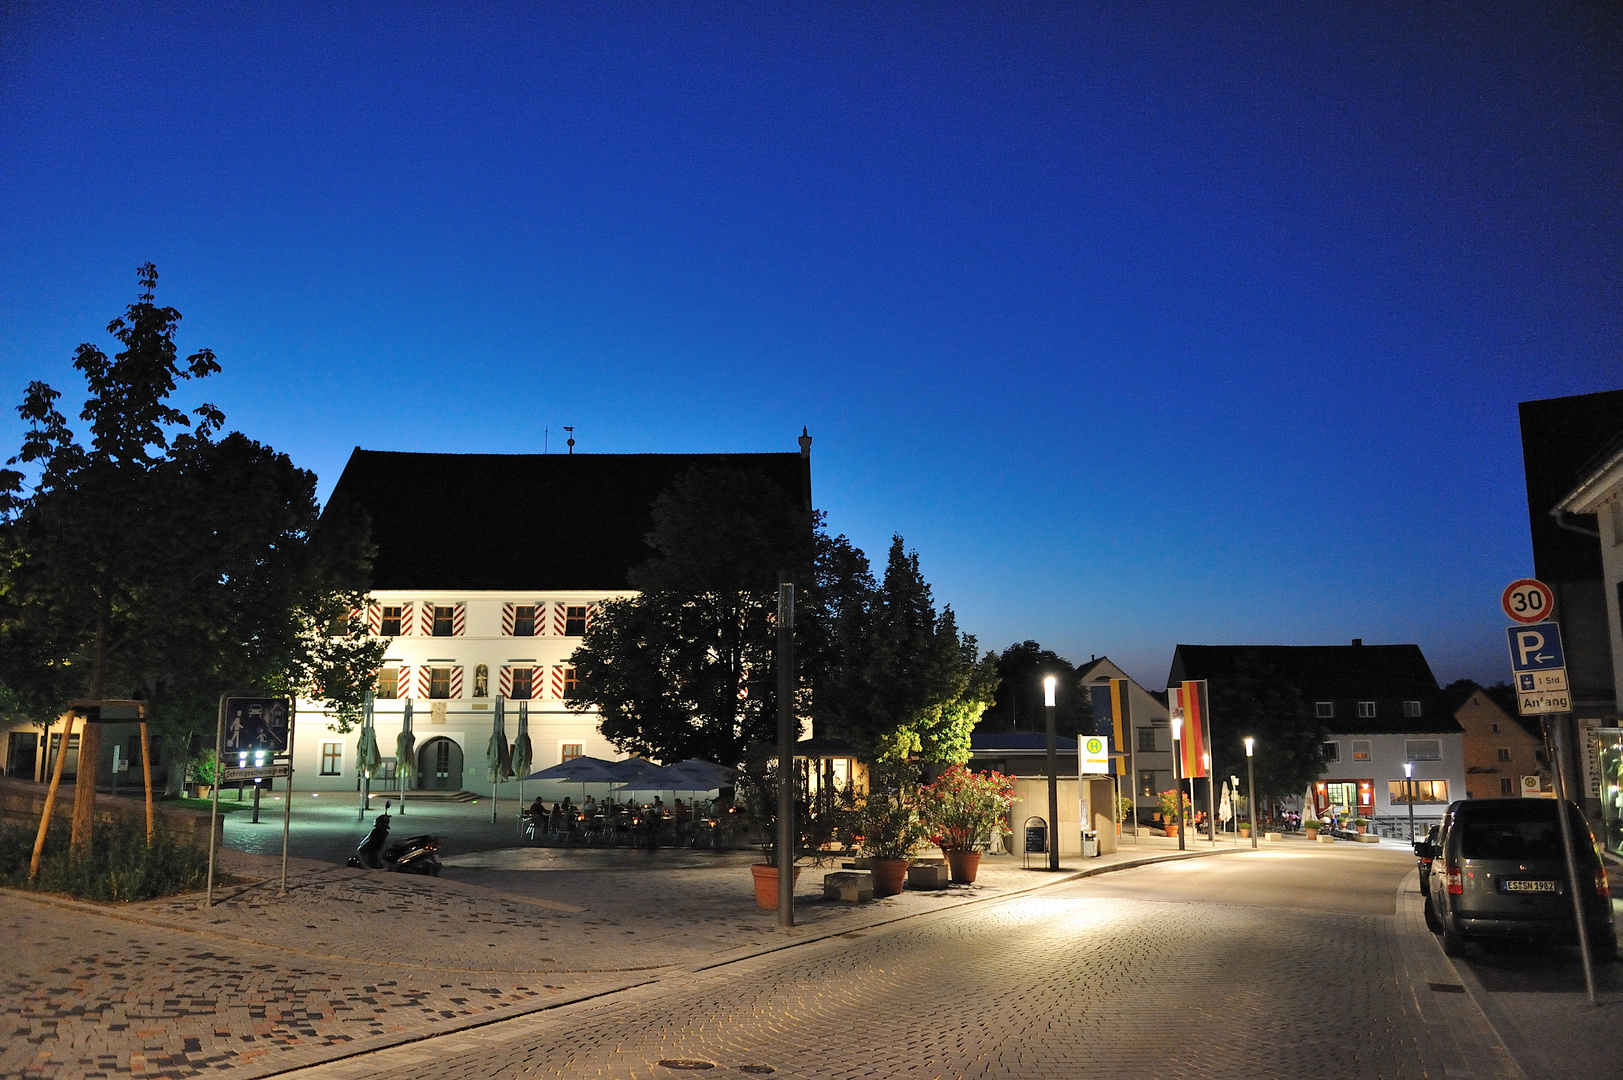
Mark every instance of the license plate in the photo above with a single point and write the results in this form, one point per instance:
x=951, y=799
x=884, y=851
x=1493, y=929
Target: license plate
x=1528, y=886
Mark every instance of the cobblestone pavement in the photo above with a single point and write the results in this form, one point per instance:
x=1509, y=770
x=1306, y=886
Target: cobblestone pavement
x=350, y=960
x=1079, y=980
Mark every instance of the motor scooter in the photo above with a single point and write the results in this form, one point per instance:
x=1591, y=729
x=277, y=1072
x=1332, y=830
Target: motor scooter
x=410, y=855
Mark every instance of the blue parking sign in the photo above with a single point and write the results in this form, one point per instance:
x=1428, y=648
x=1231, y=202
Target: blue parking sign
x=1536, y=647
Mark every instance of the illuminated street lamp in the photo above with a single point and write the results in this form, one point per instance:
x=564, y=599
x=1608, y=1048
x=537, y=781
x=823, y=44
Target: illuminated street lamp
x=1177, y=778
x=1053, y=774
x=1251, y=786
x=1408, y=794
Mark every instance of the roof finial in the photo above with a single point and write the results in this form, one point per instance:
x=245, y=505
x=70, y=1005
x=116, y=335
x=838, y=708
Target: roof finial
x=571, y=437
x=805, y=443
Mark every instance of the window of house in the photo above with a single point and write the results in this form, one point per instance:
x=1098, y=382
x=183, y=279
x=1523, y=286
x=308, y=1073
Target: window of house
x=1422, y=750
x=575, y=621
x=391, y=622
x=1360, y=750
x=1152, y=783
x=388, y=683
x=1507, y=786
x=332, y=758
x=571, y=681
x=524, y=620
x=1324, y=710
x=1425, y=791
x=1366, y=710
x=571, y=751
x=1411, y=709
x=1495, y=729
x=1332, y=751
x=444, y=621
x=522, y=683
x=1146, y=740
x=439, y=682
x=1504, y=753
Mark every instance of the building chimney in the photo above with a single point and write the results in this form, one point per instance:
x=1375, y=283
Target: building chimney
x=1358, y=641
x=805, y=443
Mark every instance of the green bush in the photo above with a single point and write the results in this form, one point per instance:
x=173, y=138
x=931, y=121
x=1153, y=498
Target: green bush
x=120, y=865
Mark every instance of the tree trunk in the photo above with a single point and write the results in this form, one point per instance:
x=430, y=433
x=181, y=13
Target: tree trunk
x=84, y=785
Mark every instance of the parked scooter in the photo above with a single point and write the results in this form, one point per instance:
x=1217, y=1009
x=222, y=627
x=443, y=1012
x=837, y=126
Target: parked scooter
x=411, y=855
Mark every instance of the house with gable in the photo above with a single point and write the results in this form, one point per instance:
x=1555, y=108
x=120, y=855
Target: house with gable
x=1383, y=708
x=1149, y=751
x=1504, y=757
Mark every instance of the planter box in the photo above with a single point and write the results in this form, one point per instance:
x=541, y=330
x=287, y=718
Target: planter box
x=851, y=886
x=929, y=875
x=1368, y=838
x=1326, y=838
x=1274, y=837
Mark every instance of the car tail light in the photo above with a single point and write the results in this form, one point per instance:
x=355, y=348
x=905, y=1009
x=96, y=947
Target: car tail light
x=1603, y=888
x=1456, y=882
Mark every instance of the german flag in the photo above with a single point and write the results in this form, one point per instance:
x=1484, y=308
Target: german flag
x=1192, y=699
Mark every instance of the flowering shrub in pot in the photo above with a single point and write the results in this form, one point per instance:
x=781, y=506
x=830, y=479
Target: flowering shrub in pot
x=959, y=809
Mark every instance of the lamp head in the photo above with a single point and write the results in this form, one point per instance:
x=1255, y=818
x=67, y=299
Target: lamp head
x=1250, y=746
x=1049, y=683
x=1177, y=729
x=1408, y=769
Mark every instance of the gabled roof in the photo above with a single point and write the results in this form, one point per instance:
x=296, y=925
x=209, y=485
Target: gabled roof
x=1333, y=673
x=525, y=521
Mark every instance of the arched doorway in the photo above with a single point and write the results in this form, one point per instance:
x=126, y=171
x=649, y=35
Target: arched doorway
x=439, y=765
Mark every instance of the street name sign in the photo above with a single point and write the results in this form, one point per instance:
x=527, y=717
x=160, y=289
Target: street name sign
x=1540, y=666
x=260, y=772
x=1528, y=600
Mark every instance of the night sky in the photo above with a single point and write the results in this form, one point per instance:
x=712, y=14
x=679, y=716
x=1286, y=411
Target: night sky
x=1144, y=324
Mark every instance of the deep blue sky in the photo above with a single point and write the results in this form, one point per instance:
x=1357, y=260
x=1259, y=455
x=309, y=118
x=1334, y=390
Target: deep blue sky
x=1144, y=324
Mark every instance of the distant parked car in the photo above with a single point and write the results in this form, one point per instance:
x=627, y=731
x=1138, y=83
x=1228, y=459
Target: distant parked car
x=1423, y=859
x=1503, y=875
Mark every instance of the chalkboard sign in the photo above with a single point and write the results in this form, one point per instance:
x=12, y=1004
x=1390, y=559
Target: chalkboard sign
x=1036, y=839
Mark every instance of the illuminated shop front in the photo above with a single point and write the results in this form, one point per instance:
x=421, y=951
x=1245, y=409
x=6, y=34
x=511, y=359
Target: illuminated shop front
x=1611, y=788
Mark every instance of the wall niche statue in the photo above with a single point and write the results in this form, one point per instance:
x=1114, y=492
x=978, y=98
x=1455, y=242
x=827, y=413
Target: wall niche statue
x=481, y=681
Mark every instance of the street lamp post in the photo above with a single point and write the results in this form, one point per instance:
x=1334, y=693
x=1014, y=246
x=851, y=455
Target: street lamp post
x=1408, y=794
x=1251, y=786
x=1211, y=798
x=1053, y=773
x=1177, y=771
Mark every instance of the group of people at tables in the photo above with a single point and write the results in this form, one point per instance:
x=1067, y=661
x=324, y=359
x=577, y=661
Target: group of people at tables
x=564, y=819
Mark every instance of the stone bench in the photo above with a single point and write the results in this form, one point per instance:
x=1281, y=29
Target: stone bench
x=928, y=875
x=1368, y=838
x=851, y=886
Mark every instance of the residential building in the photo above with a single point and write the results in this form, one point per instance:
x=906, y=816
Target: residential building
x=1502, y=756
x=1383, y=709
x=1149, y=754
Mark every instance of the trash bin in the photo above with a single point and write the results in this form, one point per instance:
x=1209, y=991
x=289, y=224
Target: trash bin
x=1090, y=844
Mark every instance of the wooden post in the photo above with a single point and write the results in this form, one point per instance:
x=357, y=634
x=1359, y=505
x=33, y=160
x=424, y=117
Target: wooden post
x=146, y=775
x=50, y=796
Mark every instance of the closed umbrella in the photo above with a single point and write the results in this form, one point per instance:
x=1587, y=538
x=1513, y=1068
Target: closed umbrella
x=522, y=751
x=499, y=755
x=1225, y=808
x=367, y=760
x=405, y=755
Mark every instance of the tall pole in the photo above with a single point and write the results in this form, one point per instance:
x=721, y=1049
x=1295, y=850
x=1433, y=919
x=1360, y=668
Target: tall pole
x=1177, y=773
x=1408, y=794
x=1574, y=885
x=1211, y=798
x=1251, y=786
x=786, y=749
x=1053, y=773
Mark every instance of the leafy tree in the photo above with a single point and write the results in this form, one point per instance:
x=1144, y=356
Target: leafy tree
x=687, y=668
x=1258, y=702
x=1019, y=702
x=162, y=562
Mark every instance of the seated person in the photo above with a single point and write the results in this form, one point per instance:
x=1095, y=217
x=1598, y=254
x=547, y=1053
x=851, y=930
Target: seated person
x=538, y=810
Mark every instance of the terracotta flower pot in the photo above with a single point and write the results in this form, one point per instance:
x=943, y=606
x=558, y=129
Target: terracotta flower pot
x=766, y=885
x=889, y=875
x=964, y=865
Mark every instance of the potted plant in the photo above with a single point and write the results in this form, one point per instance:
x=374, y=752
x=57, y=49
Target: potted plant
x=891, y=833
x=1360, y=823
x=959, y=809
x=1127, y=810
x=758, y=786
x=1310, y=825
x=1169, y=811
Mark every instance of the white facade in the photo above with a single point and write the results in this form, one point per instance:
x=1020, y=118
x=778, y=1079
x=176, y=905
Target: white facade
x=1378, y=760
x=450, y=704
x=1601, y=494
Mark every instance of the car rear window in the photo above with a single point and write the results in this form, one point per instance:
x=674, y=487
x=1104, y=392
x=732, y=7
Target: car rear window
x=1527, y=830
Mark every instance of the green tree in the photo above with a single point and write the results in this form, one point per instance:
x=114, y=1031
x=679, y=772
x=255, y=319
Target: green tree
x=1019, y=702
x=159, y=561
x=687, y=668
x=1256, y=701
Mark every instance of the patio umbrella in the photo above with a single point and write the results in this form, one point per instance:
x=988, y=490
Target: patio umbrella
x=581, y=770
x=1225, y=807
x=634, y=770
x=367, y=758
x=522, y=751
x=704, y=775
x=499, y=755
x=405, y=754
x=1307, y=805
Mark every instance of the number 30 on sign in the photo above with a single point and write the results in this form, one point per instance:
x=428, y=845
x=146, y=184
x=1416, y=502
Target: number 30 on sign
x=1528, y=601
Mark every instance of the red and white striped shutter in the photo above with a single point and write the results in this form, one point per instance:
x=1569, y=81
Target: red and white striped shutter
x=538, y=683
x=591, y=614
x=558, y=614
x=558, y=681
x=456, y=682
x=504, y=682
x=428, y=618
x=403, y=684
x=424, y=678
x=459, y=619
x=540, y=624
x=406, y=617
x=374, y=619
x=507, y=621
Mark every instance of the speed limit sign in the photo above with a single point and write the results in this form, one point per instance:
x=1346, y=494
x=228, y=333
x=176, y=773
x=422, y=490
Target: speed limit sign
x=1528, y=601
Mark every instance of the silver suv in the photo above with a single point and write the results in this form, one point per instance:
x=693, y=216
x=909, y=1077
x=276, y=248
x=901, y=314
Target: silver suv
x=1498, y=871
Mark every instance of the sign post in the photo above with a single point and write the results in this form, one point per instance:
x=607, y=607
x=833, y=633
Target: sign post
x=254, y=726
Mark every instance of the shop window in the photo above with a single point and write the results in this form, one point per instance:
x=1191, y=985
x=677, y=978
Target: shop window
x=524, y=620
x=523, y=682
x=1507, y=786
x=1411, y=709
x=1332, y=751
x=1422, y=750
x=444, y=621
x=332, y=758
x=1366, y=710
x=1425, y=791
x=391, y=622
x=1324, y=710
x=1146, y=740
x=388, y=683
x=575, y=621
x=439, y=682
x=570, y=751
x=1504, y=753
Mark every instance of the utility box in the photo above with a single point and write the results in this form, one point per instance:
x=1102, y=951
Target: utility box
x=1090, y=844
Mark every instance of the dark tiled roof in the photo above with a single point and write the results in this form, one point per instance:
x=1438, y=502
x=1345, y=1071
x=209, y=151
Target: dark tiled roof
x=525, y=521
x=1386, y=674
x=1560, y=437
x=1017, y=742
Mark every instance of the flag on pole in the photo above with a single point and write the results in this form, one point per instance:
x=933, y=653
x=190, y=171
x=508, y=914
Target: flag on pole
x=1111, y=703
x=1192, y=700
